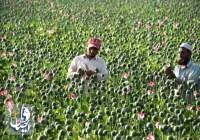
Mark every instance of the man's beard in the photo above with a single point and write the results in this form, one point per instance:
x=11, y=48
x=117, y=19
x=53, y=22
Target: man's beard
x=183, y=62
x=90, y=55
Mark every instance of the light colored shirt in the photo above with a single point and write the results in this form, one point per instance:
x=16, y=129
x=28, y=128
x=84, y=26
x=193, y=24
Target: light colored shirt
x=189, y=72
x=94, y=64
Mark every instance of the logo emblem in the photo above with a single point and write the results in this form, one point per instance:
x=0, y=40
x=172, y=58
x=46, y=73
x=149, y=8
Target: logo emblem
x=20, y=120
x=23, y=122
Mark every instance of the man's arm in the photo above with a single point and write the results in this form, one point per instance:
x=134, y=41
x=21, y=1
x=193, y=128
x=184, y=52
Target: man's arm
x=72, y=68
x=169, y=72
x=198, y=79
x=89, y=72
x=102, y=72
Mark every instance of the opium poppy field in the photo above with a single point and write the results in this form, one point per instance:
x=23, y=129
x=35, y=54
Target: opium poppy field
x=39, y=39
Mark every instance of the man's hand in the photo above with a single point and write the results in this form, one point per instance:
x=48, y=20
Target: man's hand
x=81, y=72
x=168, y=71
x=90, y=72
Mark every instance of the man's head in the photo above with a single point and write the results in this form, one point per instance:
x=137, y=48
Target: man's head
x=185, y=53
x=93, y=47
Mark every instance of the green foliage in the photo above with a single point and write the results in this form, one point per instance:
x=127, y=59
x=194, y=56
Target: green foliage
x=139, y=37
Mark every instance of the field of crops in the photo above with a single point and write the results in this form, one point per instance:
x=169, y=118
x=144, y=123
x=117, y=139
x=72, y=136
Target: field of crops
x=39, y=38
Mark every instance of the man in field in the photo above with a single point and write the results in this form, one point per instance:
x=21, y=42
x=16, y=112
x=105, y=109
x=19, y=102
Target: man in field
x=90, y=63
x=186, y=70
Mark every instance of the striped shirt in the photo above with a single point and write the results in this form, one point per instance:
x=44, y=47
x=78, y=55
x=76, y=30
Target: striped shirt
x=189, y=72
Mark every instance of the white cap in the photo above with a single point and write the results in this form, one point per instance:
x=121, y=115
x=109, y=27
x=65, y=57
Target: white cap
x=187, y=46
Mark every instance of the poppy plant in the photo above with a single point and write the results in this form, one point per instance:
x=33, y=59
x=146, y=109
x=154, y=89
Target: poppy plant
x=137, y=101
x=125, y=75
x=150, y=92
x=10, y=54
x=48, y=76
x=3, y=92
x=157, y=125
x=40, y=119
x=12, y=78
x=14, y=65
x=150, y=136
x=151, y=84
x=9, y=103
x=198, y=108
x=3, y=37
x=140, y=115
x=189, y=107
x=156, y=49
x=175, y=25
x=73, y=96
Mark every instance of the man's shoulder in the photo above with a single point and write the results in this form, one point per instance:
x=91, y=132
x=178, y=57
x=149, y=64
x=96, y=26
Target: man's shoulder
x=100, y=59
x=195, y=66
x=177, y=67
x=79, y=57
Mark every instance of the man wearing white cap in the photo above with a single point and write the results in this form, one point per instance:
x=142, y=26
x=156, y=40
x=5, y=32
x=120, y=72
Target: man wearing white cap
x=186, y=69
x=89, y=63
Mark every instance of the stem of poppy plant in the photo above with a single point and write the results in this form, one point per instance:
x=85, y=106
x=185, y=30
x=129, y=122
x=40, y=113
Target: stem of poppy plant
x=87, y=136
x=190, y=128
x=138, y=128
x=106, y=101
x=81, y=100
x=177, y=135
x=158, y=94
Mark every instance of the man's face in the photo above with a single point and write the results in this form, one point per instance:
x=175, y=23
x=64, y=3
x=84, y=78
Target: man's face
x=184, y=55
x=92, y=51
